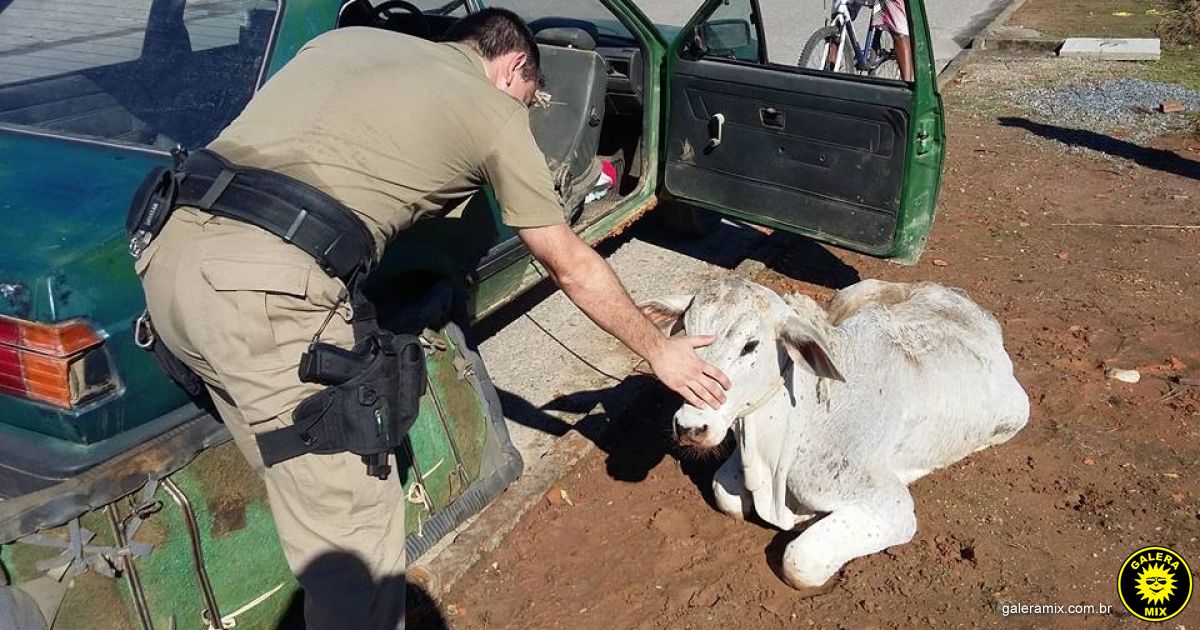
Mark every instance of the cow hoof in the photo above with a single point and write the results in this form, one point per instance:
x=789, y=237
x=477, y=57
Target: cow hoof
x=736, y=515
x=805, y=591
x=736, y=512
x=736, y=506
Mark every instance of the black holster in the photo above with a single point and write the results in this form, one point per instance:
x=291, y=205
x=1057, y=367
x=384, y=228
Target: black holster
x=372, y=399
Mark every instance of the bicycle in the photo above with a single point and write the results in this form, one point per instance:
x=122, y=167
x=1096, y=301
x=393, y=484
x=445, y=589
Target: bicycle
x=876, y=58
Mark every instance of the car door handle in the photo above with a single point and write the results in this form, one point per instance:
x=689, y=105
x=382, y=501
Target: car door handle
x=716, y=131
x=772, y=118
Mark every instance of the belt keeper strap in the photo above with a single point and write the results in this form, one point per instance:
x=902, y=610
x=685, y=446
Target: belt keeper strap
x=319, y=434
x=291, y=233
x=283, y=444
x=217, y=189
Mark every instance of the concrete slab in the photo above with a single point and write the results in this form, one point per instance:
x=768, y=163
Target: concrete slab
x=1115, y=49
x=1009, y=31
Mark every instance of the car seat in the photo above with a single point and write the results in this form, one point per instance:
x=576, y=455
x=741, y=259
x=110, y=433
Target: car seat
x=567, y=129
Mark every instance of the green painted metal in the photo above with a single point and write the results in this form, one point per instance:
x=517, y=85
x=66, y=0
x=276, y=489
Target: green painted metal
x=927, y=148
x=926, y=154
x=66, y=251
x=653, y=52
x=92, y=601
x=241, y=551
x=301, y=21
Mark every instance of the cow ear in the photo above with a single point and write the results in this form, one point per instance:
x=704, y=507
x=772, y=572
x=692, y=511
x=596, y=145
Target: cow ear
x=667, y=312
x=808, y=343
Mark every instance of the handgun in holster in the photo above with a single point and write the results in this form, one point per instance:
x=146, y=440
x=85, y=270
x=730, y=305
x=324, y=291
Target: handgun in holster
x=372, y=397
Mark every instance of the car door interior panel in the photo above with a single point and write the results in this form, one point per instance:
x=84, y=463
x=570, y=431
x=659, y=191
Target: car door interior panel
x=567, y=128
x=804, y=150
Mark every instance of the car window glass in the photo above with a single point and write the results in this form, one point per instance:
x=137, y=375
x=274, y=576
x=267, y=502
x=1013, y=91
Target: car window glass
x=148, y=72
x=729, y=33
x=787, y=23
x=857, y=38
x=852, y=37
x=545, y=13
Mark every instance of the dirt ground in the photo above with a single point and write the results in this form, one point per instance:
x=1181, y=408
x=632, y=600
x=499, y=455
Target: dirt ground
x=1103, y=468
x=1091, y=18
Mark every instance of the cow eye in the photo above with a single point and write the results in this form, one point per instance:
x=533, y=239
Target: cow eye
x=749, y=347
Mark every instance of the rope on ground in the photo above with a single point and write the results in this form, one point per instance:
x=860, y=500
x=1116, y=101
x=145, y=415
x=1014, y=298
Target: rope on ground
x=573, y=353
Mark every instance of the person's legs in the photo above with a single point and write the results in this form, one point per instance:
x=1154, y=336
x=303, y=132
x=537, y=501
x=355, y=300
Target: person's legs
x=895, y=19
x=343, y=535
x=240, y=308
x=904, y=57
x=832, y=58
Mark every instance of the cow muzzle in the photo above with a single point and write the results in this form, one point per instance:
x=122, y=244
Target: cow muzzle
x=697, y=433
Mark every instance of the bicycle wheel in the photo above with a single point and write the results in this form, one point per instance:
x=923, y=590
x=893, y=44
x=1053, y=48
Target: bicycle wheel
x=882, y=60
x=815, y=54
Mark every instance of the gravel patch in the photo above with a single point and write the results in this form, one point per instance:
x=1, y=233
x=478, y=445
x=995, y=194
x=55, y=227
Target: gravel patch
x=1125, y=105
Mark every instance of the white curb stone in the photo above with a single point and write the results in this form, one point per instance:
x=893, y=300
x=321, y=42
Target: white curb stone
x=1116, y=49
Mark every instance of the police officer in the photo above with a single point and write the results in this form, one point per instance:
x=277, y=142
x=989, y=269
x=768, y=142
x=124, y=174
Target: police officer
x=395, y=128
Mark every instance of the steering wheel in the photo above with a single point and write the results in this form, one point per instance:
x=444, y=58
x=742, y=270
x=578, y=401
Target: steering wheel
x=384, y=13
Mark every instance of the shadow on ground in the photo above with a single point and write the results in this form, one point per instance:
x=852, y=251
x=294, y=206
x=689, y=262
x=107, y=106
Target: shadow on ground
x=1157, y=159
x=350, y=582
x=630, y=422
x=729, y=246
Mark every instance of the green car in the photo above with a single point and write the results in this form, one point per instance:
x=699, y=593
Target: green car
x=123, y=504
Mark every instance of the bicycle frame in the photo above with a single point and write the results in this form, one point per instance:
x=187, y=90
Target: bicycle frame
x=842, y=16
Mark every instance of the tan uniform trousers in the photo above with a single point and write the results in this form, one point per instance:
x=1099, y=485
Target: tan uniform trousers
x=239, y=306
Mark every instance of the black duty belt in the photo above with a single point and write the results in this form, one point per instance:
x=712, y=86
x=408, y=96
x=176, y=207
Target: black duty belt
x=292, y=210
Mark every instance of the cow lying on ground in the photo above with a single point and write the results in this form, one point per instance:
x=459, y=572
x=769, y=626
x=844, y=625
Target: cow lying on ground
x=836, y=412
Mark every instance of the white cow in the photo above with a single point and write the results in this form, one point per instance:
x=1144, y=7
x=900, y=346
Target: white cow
x=836, y=412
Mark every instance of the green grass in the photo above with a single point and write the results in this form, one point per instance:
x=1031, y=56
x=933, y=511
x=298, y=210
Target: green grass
x=1092, y=18
x=1178, y=65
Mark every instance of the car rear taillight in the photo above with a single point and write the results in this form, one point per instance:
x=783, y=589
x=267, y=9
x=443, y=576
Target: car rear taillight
x=61, y=364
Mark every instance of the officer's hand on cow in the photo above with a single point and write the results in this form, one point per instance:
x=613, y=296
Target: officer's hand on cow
x=677, y=365
x=591, y=284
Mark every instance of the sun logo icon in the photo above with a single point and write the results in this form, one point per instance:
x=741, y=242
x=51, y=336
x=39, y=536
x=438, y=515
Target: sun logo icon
x=1155, y=584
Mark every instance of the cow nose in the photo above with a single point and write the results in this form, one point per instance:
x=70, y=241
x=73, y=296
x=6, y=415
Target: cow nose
x=690, y=432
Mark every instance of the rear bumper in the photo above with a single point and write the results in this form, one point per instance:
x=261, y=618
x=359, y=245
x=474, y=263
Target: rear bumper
x=46, y=483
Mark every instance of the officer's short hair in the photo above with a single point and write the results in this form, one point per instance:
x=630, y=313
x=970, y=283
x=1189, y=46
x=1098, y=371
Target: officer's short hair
x=494, y=32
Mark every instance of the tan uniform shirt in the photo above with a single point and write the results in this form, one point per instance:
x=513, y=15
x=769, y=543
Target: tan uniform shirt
x=397, y=128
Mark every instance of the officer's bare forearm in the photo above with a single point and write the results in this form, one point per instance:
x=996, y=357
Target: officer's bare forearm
x=589, y=281
x=597, y=291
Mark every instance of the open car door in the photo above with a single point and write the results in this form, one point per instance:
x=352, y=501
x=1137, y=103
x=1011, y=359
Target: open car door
x=846, y=159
